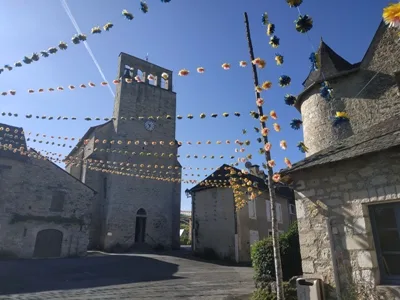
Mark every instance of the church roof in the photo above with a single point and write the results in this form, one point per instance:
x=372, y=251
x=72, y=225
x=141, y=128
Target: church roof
x=86, y=135
x=377, y=138
x=222, y=172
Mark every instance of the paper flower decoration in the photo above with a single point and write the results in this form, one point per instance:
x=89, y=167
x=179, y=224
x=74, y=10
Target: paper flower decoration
x=150, y=77
x=237, y=114
x=242, y=63
x=91, y=84
x=27, y=60
x=9, y=68
x=266, y=85
x=214, y=115
x=279, y=59
x=202, y=115
x=290, y=99
x=277, y=127
x=267, y=147
x=259, y=62
x=263, y=118
x=52, y=50
x=108, y=26
x=260, y=101
x=96, y=30
x=391, y=15
x=18, y=64
x=44, y=53
x=287, y=162
x=144, y=7
x=165, y=1
x=304, y=24
x=326, y=91
x=225, y=114
x=302, y=147
x=296, y=123
x=258, y=89
x=271, y=163
x=62, y=46
x=264, y=18
x=270, y=29
x=273, y=114
x=183, y=72
x=116, y=81
x=264, y=131
x=226, y=66
x=283, y=144
x=340, y=117
x=165, y=76
x=254, y=114
x=200, y=70
x=314, y=61
x=75, y=39
x=284, y=80
x=274, y=41
x=126, y=14
x=294, y=3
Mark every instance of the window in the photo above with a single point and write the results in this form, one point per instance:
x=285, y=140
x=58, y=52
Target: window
x=254, y=236
x=57, y=201
x=385, y=220
x=268, y=207
x=251, y=204
x=278, y=211
x=292, y=209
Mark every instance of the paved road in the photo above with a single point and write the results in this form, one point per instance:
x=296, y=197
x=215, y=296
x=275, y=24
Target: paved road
x=122, y=276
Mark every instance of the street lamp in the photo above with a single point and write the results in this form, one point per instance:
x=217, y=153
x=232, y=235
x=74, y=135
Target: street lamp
x=188, y=194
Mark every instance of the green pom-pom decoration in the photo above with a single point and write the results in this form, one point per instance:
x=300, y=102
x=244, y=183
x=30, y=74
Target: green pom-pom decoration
x=304, y=24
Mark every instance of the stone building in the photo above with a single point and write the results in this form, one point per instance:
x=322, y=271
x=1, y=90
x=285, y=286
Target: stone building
x=44, y=211
x=348, y=187
x=130, y=210
x=219, y=230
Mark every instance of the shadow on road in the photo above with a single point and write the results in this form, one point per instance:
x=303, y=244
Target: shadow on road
x=28, y=276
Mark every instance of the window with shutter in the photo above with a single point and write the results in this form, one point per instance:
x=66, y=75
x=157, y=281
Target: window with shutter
x=278, y=208
x=268, y=208
x=252, y=209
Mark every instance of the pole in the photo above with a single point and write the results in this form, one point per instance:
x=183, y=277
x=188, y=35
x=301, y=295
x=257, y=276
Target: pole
x=270, y=183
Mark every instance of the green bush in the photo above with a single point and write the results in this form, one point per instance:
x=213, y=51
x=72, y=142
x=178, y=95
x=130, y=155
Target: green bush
x=289, y=292
x=262, y=257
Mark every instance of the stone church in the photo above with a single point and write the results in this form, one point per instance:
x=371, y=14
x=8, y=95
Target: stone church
x=129, y=210
x=348, y=187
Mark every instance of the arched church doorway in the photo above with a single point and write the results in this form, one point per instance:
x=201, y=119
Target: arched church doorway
x=140, y=228
x=48, y=243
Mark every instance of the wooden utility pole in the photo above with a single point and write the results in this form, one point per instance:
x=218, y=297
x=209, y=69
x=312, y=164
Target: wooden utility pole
x=270, y=183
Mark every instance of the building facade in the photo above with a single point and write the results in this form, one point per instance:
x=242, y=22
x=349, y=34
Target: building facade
x=224, y=232
x=130, y=208
x=44, y=211
x=348, y=188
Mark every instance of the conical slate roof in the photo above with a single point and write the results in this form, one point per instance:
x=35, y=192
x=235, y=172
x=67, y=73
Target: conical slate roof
x=330, y=64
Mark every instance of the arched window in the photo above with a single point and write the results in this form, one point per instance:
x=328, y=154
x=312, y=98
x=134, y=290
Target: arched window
x=141, y=75
x=164, y=83
x=140, y=227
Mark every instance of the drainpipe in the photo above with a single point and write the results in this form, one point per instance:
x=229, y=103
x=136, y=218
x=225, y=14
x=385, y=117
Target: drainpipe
x=329, y=222
x=193, y=236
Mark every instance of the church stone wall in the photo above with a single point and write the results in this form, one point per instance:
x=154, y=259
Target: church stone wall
x=334, y=223
x=26, y=187
x=377, y=102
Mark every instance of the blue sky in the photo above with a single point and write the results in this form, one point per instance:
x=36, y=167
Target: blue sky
x=180, y=34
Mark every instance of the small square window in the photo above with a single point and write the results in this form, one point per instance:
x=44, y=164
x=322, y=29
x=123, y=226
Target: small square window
x=57, y=201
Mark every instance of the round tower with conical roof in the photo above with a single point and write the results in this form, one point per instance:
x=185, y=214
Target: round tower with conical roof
x=367, y=91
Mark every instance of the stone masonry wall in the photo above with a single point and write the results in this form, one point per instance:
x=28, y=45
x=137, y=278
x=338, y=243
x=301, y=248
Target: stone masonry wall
x=26, y=188
x=334, y=199
x=377, y=102
x=214, y=222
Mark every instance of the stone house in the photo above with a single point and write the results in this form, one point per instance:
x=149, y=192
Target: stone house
x=44, y=211
x=131, y=209
x=348, y=187
x=220, y=230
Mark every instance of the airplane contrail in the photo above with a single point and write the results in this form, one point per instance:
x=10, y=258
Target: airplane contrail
x=75, y=24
